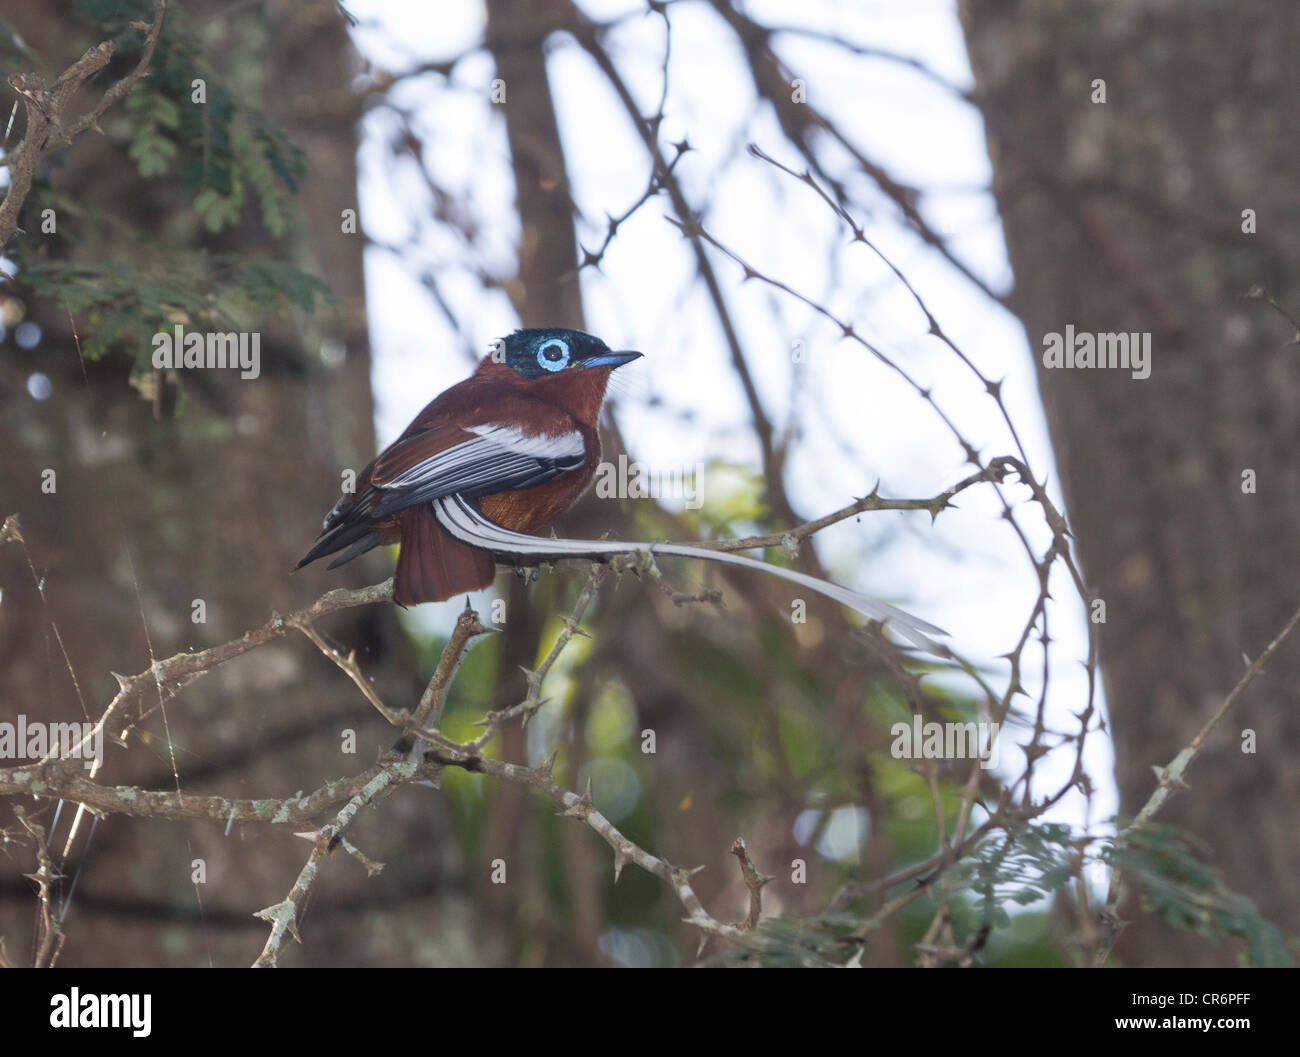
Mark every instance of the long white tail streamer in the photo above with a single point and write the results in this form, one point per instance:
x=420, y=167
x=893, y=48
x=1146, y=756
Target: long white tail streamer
x=469, y=525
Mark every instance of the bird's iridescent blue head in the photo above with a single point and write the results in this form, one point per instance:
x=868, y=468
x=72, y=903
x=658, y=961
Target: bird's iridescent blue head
x=550, y=350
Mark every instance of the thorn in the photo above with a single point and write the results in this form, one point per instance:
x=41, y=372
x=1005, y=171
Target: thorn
x=621, y=859
x=1164, y=777
x=548, y=764
x=581, y=808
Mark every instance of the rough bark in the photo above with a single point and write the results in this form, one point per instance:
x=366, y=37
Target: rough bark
x=216, y=504
x=1126, y=216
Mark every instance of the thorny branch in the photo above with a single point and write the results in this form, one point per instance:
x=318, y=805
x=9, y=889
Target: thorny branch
x=50, y=128
x=801, y=123
x=63, y=780
x=346, y=797
x=754, y=882
x=1172, y=781
x=52, y=779
x=284, y=915
x=49, y=936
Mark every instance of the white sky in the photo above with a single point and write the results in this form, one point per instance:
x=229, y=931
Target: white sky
x=858, y=422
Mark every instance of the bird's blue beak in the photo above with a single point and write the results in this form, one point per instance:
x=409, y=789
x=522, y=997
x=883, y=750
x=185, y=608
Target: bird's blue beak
x=611, y=359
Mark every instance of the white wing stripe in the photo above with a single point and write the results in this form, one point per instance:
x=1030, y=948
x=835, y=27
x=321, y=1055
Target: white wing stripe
x=496, y=449
x=536, y=444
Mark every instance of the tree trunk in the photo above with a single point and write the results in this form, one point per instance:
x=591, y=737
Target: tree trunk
x=215, y=505
x=1127, y=216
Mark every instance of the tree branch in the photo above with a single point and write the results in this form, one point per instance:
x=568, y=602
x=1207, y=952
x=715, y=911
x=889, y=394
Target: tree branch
x=44, y=106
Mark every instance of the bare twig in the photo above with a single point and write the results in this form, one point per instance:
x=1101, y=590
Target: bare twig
x=284, y=915
x=48, y=128
x=49, y=936
x=353, y=671
x=1172, y=781
x=754, y=882
x=533, y=700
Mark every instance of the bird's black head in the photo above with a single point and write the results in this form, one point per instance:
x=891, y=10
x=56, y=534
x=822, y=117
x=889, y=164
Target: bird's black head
x=550, y=350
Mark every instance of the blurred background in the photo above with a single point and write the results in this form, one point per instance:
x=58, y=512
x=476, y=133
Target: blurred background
x=381, y=189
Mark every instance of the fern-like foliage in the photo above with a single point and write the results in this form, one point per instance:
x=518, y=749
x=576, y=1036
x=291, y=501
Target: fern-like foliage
x=190, y=138
x=1188, y=893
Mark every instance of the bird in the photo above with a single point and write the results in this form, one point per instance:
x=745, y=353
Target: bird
x=497, y=457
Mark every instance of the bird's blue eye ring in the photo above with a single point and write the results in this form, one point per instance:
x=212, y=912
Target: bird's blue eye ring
x=553, y=354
